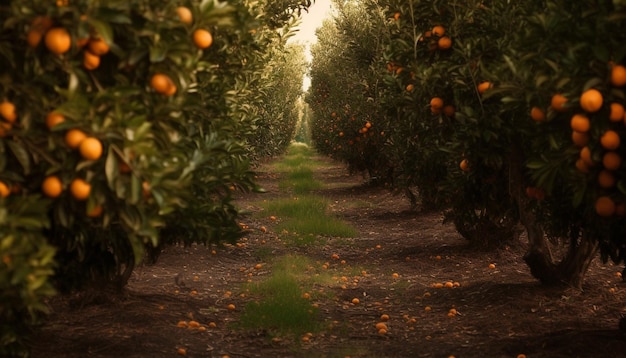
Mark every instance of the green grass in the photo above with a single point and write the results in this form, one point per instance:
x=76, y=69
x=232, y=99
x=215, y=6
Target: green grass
x=300, y=180
x=281, y=308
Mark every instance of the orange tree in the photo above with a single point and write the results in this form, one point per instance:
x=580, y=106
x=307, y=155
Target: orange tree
x=123, y=126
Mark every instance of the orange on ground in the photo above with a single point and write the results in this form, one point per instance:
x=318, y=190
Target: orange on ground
x=80, y=189
x=91, y=148
x=74, y=137
x=98, y=46
x=605, y=206
x=618, y=76
x=611, y=160
x=182, y=351
x=193, y=324
x=444, y=43
x=231, y=307
x=95, y=212
x=436, y=103
x=395, y=275
x=580, y=139
x=202, y=38
x=384, y=317
x=58, y=40
x=4, y=189
x=591, y=100
x=381, y=325
x=90, y=61
x=484, y=86
x=356, y=301
x=464, y=165
x=558, y=102
x=438, y=30
x=617, y=112
x=580, y=123
x=537, y=114
x=492, y=266
x=610, y=140
x=185, y=15
x=606, y=179
x=7, y=111
x=54, y=118
x=585, y=155
x=52, y=186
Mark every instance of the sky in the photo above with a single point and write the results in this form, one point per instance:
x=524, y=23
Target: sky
x=311, y=20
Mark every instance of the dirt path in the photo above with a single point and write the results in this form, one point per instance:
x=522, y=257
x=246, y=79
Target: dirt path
x=497, y=312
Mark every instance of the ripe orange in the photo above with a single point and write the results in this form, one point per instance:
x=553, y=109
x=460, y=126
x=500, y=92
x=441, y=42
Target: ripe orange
x=558, y=102
x=591, y=100
x=90, y=61
x=58, y=40
x=54, y=118
x=91, y=148
x=38, y=28
x=464, y=165
x=231, y=307
x=98, y=46
x=7, y=111
x=182, y=351
x=33, y=38
x=74, y=137
x=605, y=206
x=618, y=76
x=580, y=139
x=449, y=110
x=585, y=155
x=384, y=317
x=436, y=103
x=202, y=38
x=356, y=301
x=381, y=325
x=484, y=86
x=4, y=189
x=611, y=160
x=617, y=112
x=580, y=123
x=52, y=186
x=163, y=84
x=444, y=43
x=537, y=114
x=95, y=212
x=80, y=189
x=439, y=30
x=396, y=16
x=606, y=179
x=185, y=15
x=582, y=166
x=610, y=140
x=409, y=87
x=492, y=266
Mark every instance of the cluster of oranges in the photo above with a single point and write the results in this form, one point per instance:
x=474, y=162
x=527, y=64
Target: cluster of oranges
x=437, y=38
x=591, y=104
x=438, y=106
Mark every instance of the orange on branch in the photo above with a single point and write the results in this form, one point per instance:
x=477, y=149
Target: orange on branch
x=58, y=40
x=591, y=100
x=80, y=189
x=74, y=137
x=558, y=102
x=52, y=186
x=202, y=38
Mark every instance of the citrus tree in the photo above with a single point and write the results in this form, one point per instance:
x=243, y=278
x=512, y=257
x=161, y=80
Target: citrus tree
x=124, y=126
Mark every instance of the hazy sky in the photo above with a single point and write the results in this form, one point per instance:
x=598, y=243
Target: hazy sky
x=306, y=31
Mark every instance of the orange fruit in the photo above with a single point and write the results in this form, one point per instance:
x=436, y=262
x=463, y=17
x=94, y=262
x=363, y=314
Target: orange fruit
x=90, y=148
x=52, y=186
x=90, y=61
x=181, y=351
x=558, y=102
x=193, y=324
x=162, y=84
x=438, y=30
x=409, y=87
x=611, y=160
x=610, y=140
x=202, y=38
x=492, y=266
x=436, y=103
x=582, y=166
x=80, y=189
x=33, y=38
x=185, y=15
x=58, y=40
x=449, y=110
x=82, y=42
x=617, y=112
x=444, y=43
x=368, y=125
x=606, y=179
x=537, y=114
x=484, y=86
x=591, y=100
x=98, y=46
x=464, y=165
x=4, y=189
x=7, y=111
x=381, y=325
x=54, y=118
x=580, y=139
x=580, y=123
x=428, y=34
x=618, y=76
x=74, y=137
x=585, y=155
x=605, y=206
x=396, y=16
x=95, y=212
x=356, y=301
x=38, y=28
x=384, y=317
x=231, y=307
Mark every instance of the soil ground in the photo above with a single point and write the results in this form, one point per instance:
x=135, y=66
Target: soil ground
x=500, y=312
